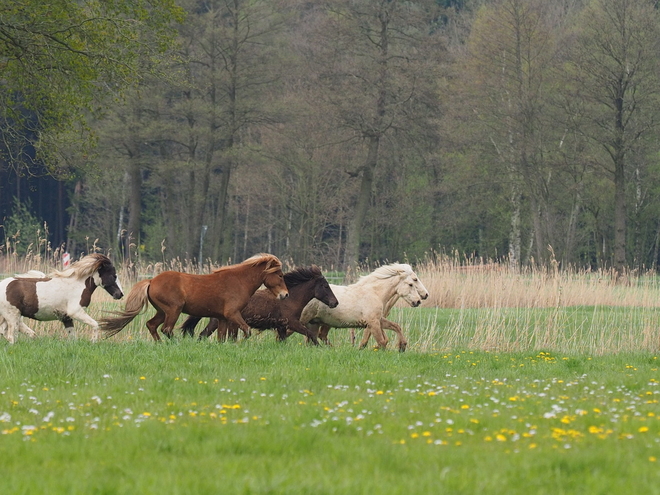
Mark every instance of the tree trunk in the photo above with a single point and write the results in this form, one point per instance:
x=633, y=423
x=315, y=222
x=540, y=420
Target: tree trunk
x=134, y=205
x=352, y=252
x=619, y=217
x=515, y=236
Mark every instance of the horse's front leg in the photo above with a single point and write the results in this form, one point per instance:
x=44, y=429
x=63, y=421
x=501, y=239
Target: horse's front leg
x=27, y=330
x=401, y=340
x=82, y=317
x=236, y=320
x=296, y=326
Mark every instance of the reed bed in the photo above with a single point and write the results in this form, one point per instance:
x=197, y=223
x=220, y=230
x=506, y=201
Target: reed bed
x=472, y=305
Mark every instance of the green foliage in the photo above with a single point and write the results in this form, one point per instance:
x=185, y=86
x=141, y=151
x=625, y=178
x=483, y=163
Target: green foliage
x=23, y=232
x=61, y=57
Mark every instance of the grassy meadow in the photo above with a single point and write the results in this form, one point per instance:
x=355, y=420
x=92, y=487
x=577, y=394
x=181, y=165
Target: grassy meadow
x=533, y=382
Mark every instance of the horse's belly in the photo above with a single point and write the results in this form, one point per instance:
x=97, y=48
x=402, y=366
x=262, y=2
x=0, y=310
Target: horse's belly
x=337, y=321
x=48, y=314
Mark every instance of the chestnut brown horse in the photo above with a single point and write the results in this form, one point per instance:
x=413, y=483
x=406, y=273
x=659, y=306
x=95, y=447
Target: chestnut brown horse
x=221, y=294
x=265, y=311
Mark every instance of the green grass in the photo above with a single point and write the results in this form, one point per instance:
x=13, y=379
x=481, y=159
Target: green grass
x=263, y=417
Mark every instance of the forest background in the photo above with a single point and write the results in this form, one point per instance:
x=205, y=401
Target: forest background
x=333, y=132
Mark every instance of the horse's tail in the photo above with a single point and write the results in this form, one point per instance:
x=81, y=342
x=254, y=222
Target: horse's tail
x=188, y=327
x=136, y=302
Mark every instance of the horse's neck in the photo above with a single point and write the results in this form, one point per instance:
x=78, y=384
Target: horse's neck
x=386, y=287
x=390, y=303
x=301, y=294
x=251, y=278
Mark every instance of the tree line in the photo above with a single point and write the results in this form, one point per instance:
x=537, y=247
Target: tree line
x=348, y=131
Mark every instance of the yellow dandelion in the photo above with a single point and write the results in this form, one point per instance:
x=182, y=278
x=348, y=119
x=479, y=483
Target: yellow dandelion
x=414, y=435
x=643, y=429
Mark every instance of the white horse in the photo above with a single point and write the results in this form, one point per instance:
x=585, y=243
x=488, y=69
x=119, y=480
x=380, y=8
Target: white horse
x=366, y=303
x=63, y=295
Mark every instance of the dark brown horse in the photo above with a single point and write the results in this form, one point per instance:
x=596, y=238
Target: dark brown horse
x=265, y=311
x=221, y=294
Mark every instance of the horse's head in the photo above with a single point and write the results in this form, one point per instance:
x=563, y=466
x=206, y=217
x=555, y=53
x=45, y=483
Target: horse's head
x=423, y=293
x=408, y=292
x=107, y=278
x=273, y=278
x=323, y=293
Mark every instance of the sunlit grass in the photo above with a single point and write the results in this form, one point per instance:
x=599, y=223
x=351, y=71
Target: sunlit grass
x=136, y=417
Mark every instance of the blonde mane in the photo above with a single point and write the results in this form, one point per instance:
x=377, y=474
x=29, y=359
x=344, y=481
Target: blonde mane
x=272, y=263
x=83, y=268
x=385, y=271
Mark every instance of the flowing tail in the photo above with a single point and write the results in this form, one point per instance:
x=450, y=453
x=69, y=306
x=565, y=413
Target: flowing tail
x=136, y=302
x=188, y=327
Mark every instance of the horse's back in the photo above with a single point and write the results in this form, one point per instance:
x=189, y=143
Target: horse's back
x=354, y=309
x=198, y=295
x=42, y=299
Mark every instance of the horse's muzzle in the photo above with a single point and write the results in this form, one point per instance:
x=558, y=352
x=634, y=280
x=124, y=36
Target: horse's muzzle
x=117, y=295
x=333, y=304
x=283, y=295
x=416, y=303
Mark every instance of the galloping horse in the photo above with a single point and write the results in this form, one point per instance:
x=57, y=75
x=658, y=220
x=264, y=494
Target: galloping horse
x=363, y=304
x=390, y=325
x=264, y=311
x=221, y=294
x=62, y=295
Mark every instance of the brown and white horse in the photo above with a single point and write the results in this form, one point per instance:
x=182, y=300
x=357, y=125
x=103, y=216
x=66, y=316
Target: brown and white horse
x=221, y=294
x=62, y=295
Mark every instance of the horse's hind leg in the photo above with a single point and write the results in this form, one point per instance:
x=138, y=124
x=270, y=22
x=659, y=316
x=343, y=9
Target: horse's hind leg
x=12, y=323
x=154, y=323
x=401, y=340
x=377, y=332
x=322, y=332
x=170, y=322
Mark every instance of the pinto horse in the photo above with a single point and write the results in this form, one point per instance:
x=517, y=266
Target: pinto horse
x=364, y=305
x=221, y=294
x=62, y=295
x=264, y=311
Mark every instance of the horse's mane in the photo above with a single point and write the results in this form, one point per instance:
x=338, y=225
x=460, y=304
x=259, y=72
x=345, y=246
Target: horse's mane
x=301, y=275
x=84, y=267
x=385, y=271
x=272, y=263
